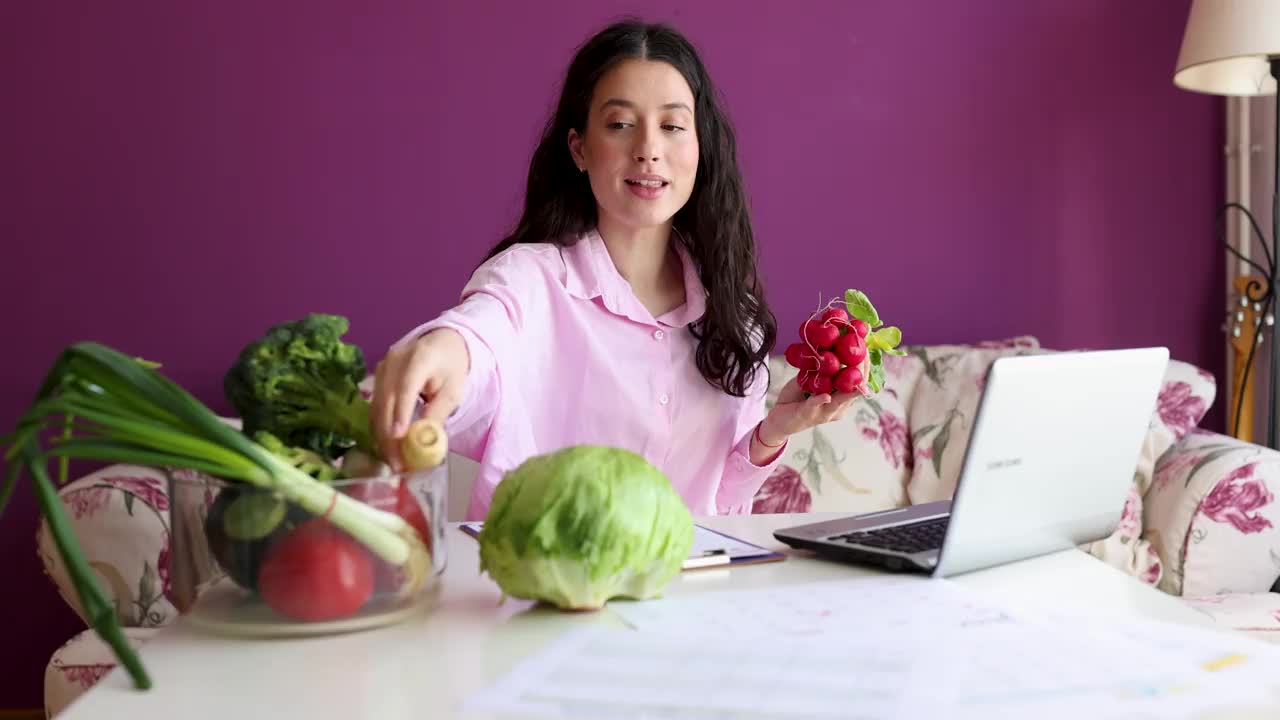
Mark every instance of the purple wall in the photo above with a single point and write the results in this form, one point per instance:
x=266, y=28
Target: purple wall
x=174, y=179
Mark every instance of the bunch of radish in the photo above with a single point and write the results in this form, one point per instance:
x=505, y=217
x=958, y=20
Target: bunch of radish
x=842, y=348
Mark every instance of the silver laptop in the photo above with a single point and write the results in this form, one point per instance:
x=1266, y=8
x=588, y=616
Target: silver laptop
x=1050, y=460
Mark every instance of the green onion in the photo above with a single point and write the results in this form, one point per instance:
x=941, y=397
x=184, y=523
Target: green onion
x=109, y=406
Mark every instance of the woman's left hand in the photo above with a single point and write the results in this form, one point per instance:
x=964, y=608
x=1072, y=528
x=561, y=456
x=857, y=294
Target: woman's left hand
x=794, y=412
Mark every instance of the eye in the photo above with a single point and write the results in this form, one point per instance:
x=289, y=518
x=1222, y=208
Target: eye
x=673, y=128
x=617, y=125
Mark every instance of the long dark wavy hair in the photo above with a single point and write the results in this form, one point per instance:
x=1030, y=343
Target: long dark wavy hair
x=738, y=330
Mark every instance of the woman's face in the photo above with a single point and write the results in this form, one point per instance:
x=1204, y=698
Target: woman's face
x=640, y=146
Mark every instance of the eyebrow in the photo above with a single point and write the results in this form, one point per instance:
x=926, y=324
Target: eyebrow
x=619, y=102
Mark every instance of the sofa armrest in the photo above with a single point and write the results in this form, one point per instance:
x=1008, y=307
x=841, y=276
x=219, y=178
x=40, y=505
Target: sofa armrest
x=120, y=516
x=1211, y=515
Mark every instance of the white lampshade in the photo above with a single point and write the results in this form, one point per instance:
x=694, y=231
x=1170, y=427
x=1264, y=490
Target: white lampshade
x=1227, y=47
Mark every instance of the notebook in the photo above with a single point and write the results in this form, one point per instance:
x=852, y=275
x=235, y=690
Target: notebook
x=710, y=549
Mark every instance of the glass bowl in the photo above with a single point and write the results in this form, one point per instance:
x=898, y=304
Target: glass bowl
x=244, y=561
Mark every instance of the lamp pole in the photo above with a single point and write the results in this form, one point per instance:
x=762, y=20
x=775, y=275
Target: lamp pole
x=1272, y=439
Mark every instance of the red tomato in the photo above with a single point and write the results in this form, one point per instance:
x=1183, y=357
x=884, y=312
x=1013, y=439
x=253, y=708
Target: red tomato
x=393, y=495
x=316, y=573
x=408, y=508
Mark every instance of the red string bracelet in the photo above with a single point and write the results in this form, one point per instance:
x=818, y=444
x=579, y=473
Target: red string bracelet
x=762, y=442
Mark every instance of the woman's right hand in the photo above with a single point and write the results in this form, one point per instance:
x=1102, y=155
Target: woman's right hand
x=433, y=367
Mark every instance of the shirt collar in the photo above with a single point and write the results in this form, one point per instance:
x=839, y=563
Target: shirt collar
x=590, y=273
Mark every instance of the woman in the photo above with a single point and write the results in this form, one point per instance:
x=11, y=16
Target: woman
x=626, y=308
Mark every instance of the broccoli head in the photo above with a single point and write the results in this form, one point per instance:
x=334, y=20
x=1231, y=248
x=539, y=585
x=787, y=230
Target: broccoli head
x=300, y=383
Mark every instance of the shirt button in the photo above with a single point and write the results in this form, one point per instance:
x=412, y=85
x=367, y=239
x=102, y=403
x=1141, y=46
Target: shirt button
x=664, y=399
x=658, y=334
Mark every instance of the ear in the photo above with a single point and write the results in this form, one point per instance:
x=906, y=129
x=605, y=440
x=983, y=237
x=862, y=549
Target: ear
x=575, y=149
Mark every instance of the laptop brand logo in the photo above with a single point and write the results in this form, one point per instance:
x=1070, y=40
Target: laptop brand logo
x=1005, y=463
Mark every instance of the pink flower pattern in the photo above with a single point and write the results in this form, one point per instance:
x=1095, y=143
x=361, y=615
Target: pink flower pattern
x=1179, y=408
x=162, y=568
x=86, y=502
x=1174, y=467
x=893, y=438
x=1151, y=575
x=783, y=492
x=1129, y=521
x=85, y=675
x=1238, y=502
x=148, y=489
x=896, y=366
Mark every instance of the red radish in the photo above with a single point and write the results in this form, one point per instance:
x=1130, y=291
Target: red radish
x=805, y=380
x=848, y=379
x=849, y=349
x=832, y=330
x=799, y=356
x=821, y=384
x=820, y=335
x=316, y=573
x=828, y=363
x=835, y=316
x=802, y=379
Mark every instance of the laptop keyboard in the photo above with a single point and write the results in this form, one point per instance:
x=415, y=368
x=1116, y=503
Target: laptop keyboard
x=910, y=538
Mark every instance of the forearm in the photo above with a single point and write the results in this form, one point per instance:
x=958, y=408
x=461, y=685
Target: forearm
x=765, y=443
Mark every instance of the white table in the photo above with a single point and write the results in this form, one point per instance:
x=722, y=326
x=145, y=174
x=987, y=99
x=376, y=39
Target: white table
x=421, y=668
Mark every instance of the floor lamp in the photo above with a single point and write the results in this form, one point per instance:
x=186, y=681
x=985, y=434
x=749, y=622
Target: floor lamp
x=1232, y=47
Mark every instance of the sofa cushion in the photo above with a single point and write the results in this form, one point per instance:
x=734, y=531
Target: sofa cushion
x=1212, y=513
x=1185, y=396
x=941, y=416
x=120, y=516
x=944, y=403
x=80, y=663
x=942, y=408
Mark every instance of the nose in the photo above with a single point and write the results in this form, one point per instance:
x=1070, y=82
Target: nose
x=646, y=150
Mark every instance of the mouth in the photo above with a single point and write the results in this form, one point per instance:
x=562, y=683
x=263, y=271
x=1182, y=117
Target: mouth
x=649, y=181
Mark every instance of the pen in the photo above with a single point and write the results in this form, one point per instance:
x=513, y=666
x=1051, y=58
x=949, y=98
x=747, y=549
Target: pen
x=709, y=558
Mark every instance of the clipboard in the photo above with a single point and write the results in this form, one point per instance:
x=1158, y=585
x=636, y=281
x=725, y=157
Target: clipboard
x=711, y=549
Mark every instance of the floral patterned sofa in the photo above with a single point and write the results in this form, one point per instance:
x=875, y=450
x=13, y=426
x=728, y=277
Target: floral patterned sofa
x=1199, y=523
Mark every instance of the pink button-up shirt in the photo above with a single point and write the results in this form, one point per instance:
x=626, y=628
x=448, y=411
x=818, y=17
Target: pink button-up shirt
x=563, y=353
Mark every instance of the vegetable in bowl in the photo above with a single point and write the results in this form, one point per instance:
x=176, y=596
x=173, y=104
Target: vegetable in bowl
x=98, y=403
x=300, y=382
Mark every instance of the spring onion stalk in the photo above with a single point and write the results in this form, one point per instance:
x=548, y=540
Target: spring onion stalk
x=105, y=405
